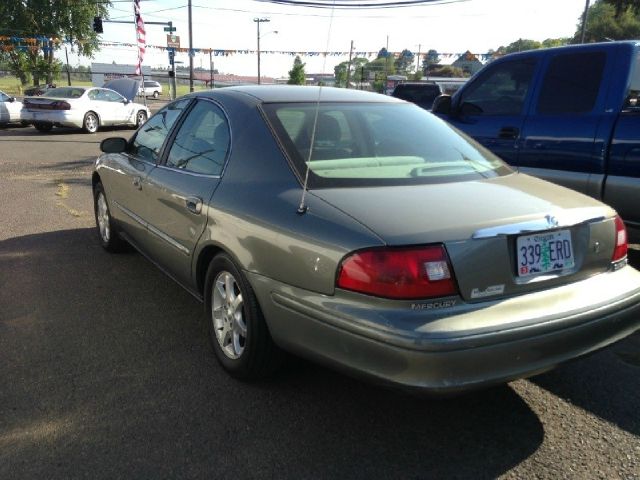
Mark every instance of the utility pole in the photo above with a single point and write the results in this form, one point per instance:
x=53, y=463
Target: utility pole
x=258, y=22
x=66, y=54
x=583, y=30
x=418, y=62
x=211, y=69
x=190, y=49
x=349, y=66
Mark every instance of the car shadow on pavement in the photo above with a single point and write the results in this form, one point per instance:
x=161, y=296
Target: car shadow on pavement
x=107, y=372
x=606, y=384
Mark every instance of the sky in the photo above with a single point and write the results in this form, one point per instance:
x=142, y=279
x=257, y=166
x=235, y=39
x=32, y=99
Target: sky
x=474, y=25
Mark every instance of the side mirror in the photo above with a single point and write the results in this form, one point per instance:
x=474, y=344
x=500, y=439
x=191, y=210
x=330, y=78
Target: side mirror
x=442, y=105
x=113, y=145
x=12, y=99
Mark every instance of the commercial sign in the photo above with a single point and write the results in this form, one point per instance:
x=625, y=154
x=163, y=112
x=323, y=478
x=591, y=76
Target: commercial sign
x=173, y=41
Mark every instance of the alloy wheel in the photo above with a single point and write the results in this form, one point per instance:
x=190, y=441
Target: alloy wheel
x=228, y=315
x=102, y=215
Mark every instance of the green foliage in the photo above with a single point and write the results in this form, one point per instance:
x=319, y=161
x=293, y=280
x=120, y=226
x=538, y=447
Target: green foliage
x=611, y=21
x=71, y=20
x=296, y=74
x=404, y=63
x=431, y=58
x=447, y=71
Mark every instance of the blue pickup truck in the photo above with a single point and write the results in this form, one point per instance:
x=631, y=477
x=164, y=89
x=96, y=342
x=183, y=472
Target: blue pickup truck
x=570, y=115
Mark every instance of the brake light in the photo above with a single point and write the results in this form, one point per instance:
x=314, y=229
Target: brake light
x=620, y=250
x=61, y=105
x=400, y=273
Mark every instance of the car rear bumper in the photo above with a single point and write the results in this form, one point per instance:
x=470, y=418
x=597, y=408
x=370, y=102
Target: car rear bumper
x=457, y=348
x=65, y=118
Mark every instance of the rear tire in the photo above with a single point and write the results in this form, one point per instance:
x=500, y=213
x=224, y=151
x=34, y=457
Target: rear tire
x=91, y=123
x=109, y=238
x=43, y=126
x=156, y=95
x=237, y=329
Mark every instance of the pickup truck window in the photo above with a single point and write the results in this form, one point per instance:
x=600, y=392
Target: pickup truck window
x=633, y=95
x=502, y=89
x=571, y=83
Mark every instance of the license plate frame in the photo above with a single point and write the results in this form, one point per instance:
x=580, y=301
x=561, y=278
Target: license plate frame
x=544, y=252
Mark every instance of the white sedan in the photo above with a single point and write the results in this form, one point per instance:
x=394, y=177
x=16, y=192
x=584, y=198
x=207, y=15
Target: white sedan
x=9, y=109
x=88, y=108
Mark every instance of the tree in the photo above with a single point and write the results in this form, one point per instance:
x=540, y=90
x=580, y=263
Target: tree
x=606, y=21
x=404, y=63
x=71, y=20
x=358, y=69
x=431, y=59
x=296, y=74
x=622, y=6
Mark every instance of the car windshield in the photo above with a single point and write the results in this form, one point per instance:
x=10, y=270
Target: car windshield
x=65, y=92
x=377, y=144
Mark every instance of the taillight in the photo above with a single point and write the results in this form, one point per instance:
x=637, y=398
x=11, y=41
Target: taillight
x=620, y=250
x=61, y=105
x=401, y=273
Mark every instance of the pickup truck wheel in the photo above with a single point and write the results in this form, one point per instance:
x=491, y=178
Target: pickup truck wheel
x=109, y=238
x=237, y=329
x=91, y=122
x=43, y=126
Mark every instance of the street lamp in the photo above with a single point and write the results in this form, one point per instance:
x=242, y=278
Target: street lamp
x=258, y=22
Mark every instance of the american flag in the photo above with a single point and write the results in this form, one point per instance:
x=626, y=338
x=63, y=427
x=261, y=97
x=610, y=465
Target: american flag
x=140, y=35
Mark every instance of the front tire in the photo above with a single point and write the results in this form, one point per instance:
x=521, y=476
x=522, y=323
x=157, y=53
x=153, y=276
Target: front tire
x=156, y=95
x=141, y=117
x=237, y=329
x=109, y=238
x=91, y=122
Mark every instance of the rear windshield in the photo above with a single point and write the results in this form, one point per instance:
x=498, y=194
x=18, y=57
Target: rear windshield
x=377, y=144
x=65, y=92
x=417, y=93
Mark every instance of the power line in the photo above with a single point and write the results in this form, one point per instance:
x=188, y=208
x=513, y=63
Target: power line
x=355, y=4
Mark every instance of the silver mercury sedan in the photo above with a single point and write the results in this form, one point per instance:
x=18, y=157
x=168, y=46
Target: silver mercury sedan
x=362, y=232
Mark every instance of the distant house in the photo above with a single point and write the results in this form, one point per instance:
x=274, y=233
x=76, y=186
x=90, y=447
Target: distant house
x=468, y=62
x=103, y=72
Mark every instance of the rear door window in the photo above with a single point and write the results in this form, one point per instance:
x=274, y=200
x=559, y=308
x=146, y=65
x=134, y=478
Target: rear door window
x=571, y=83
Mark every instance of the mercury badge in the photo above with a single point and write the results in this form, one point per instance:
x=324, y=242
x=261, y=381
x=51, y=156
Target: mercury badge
x=552, y=221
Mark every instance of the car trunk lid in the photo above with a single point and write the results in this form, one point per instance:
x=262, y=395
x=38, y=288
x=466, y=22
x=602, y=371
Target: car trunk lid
x=480, y=223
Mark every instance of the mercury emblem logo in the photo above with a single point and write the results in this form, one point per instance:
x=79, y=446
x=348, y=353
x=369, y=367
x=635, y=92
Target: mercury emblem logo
x=551, y=221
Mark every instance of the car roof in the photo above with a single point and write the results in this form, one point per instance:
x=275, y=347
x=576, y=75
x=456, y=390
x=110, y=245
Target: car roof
x=298, y=93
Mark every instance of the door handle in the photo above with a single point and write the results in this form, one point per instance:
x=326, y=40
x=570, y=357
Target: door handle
x=194, y=204
x=508, y=133
x=137, y=182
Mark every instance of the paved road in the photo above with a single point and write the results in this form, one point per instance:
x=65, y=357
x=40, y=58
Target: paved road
x=105, y=372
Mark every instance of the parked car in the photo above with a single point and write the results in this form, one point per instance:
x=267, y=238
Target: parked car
x=391, y=247
x=422, y=94
x=150, y=89
x=10, y=109
x=88, y=108
x=568, y=115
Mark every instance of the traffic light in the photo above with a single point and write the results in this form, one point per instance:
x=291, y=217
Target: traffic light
x=97, y=24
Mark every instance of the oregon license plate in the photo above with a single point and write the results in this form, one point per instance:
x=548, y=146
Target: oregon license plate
x=544, y=252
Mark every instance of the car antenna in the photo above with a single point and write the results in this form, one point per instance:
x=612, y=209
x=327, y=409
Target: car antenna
x=303, y=208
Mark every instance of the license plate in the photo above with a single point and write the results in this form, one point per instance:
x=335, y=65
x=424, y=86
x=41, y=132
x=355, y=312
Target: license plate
x=544, y=252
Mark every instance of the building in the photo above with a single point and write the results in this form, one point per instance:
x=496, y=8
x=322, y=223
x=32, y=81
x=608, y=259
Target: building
x=103, y=72
x=468, y=62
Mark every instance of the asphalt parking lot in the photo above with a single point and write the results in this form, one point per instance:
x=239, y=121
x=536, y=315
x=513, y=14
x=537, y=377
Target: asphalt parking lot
x=106, y=372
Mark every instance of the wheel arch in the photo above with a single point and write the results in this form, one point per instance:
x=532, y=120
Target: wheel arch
x=96, y=114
